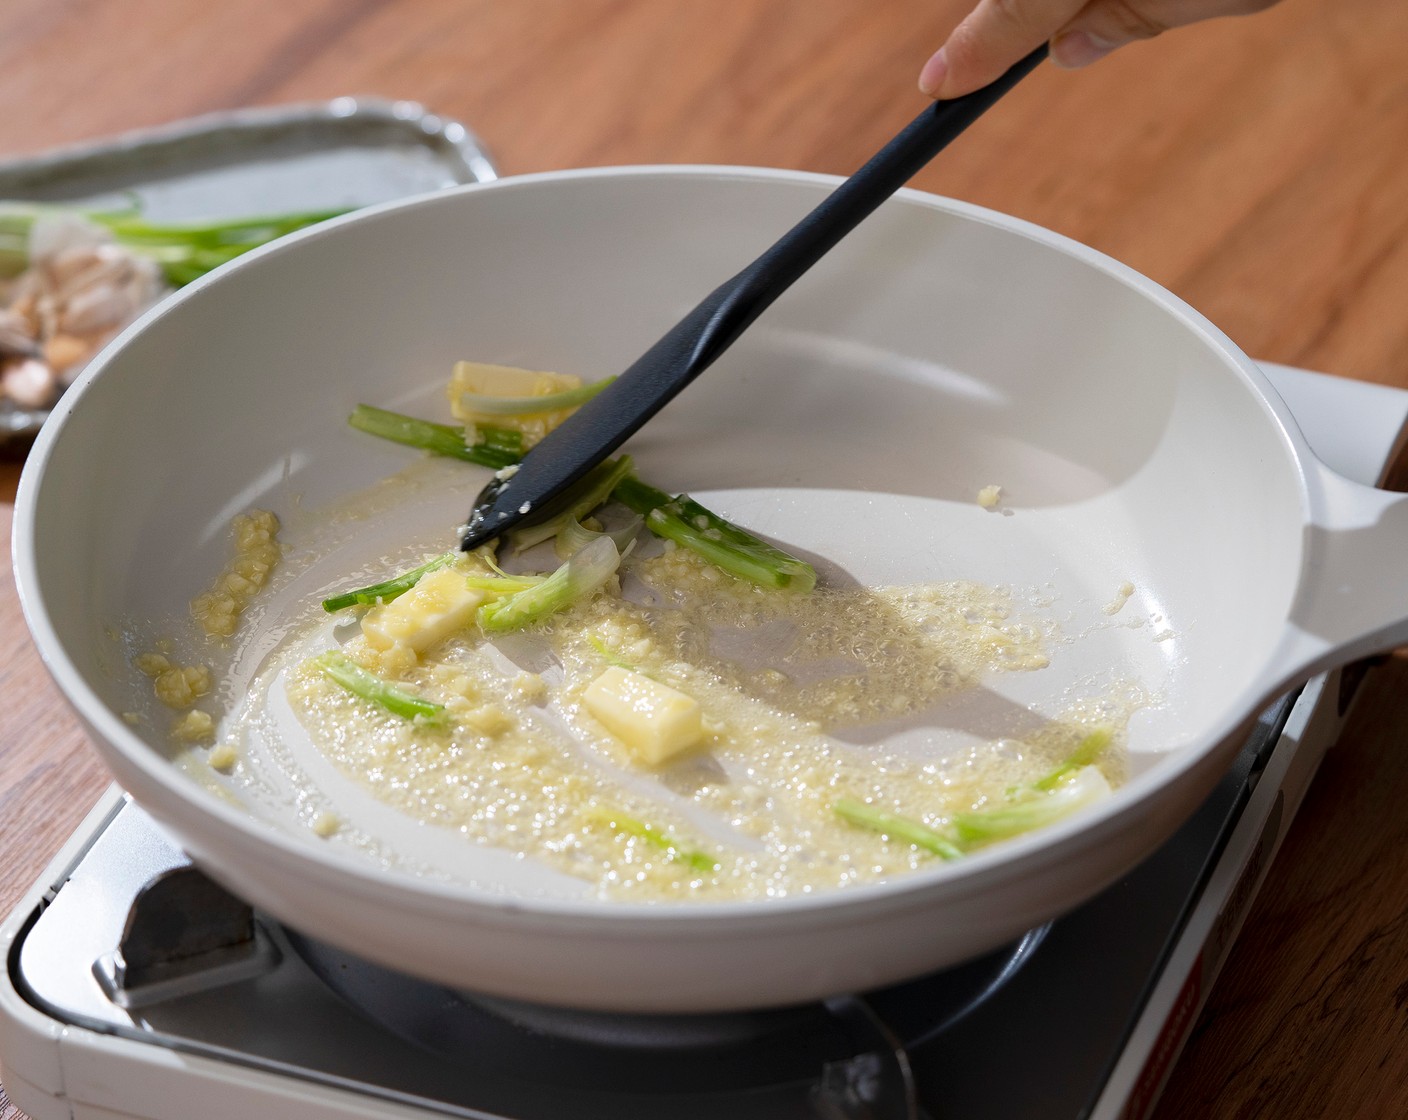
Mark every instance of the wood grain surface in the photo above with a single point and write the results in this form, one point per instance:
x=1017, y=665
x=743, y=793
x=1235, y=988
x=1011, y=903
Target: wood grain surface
x=1257, y=167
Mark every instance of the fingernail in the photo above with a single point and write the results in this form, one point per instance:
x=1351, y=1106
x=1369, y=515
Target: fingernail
x=931, y=78
x=1075, y=49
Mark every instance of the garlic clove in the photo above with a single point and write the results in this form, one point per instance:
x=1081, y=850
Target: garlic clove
x=63, y=352
x=29, y=383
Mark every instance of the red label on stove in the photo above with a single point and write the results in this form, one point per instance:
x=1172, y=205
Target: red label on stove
x=1167, y=1046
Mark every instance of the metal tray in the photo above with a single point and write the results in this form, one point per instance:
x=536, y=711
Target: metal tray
x=338, y=154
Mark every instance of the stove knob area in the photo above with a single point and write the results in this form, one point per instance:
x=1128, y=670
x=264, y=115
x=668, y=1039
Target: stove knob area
x=184, y=933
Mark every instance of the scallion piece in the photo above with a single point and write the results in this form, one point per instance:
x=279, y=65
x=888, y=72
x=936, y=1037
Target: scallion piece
x=735, y=550
x=438, y=439
x=1087, y=751
x=503, y=584
x=897, y=827
x=507, y=440
x=184, y=250
x=1085, y=787
x=681, y=519
x=389, y=589
x=358, y=681
x=573, y=504
x=577, y=579
x=483, y=404
x=574, y=536
x=630, y=826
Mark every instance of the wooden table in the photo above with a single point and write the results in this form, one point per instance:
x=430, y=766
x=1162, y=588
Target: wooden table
x=1256, y=167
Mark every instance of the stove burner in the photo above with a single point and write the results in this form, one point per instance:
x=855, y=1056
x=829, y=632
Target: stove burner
x=601, y=1051
x=918, y=1011
x=845, y=1055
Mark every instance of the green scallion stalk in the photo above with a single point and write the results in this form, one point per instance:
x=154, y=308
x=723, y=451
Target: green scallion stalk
x=1085, y=787
x=897, y=827
x=389, y=589
x=503, y=584
x=640, y=496
x=574, y=536
x=507, y=440
x=577, y=579
x=246, y=232
x=14, y=242
x=370, y=687
x=438, y=439
x=1087, y=751
x=630, y=826
x=483, y=404
x=681, y=519
x=184, y=250
x=735, y=550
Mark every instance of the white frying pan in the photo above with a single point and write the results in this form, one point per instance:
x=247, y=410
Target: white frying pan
x=941, y=348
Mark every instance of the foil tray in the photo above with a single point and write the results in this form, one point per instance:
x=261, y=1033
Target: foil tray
x=339, y=154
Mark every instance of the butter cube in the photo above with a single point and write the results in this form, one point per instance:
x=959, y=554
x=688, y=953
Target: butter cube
x=655, y=721
x=436, y=607
x=485, y=380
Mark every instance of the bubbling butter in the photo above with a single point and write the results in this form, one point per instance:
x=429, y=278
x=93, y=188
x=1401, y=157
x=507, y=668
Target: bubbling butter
x=797, y=697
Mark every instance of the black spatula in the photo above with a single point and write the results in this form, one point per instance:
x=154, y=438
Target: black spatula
x=601, y=425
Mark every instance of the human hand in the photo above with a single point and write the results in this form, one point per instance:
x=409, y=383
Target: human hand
x=997, y=33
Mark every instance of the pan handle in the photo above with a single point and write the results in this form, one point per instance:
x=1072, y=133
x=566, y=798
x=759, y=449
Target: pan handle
x=1353, y=594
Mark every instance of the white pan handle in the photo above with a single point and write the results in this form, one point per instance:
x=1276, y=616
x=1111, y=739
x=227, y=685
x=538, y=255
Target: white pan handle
x=1353, y=597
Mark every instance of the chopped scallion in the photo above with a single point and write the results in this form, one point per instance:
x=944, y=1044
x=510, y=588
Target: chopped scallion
x=897, y=827
x=577, y=579
x=394, y=699
x=735, y=550
x=1090, y=748
x=184, y=250
x=485, y=404
x=1085, y=787
x=630, y=826
x=438, y=439
x=573, y=504
x=389, y=589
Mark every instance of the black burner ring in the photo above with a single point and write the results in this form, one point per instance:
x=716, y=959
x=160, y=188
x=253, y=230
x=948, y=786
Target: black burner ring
x=661, y=1053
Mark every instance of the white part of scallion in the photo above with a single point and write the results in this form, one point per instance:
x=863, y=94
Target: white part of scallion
x=582, y=575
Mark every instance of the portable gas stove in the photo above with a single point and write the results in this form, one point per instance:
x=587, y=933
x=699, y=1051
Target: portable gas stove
x=135, y=988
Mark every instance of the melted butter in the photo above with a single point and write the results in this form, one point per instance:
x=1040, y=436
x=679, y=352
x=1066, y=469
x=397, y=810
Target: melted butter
x=791, y=686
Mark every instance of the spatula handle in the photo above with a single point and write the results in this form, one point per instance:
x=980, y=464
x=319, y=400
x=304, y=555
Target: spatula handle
x=753, y=290
x=601, y=425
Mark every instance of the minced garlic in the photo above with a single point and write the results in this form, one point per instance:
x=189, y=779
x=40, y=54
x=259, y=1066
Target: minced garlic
x=180, y=687
x=176, y=686
x=224, y=758
x=152, y=664
x=194, y=727
x=256, y=552
x=488, y=719
x=1122, y=596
